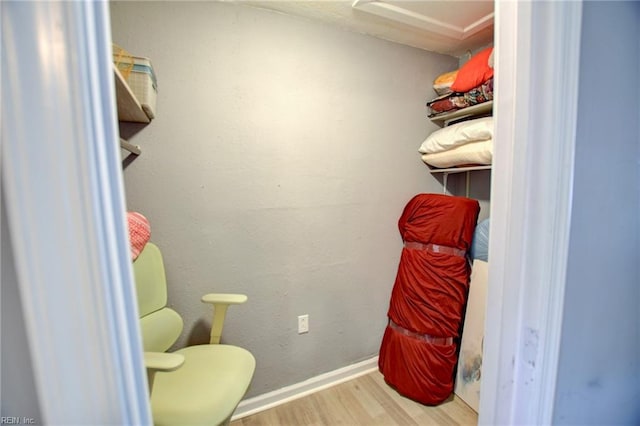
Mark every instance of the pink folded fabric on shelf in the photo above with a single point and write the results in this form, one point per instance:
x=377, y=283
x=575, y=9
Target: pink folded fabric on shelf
x=139, y=232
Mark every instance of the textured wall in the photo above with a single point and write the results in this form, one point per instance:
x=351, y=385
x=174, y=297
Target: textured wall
x=599, y=365
x=281, y=157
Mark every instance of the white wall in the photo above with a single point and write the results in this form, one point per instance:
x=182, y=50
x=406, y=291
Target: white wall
x=280, y=160
x=599, y=370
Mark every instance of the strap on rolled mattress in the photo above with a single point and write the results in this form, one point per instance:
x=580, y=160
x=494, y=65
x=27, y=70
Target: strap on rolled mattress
x=434, y=248
x=425, y=337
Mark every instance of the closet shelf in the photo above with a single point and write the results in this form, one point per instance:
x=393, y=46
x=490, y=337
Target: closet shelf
x=129, y=108
x=459, y=169
x=475, y=110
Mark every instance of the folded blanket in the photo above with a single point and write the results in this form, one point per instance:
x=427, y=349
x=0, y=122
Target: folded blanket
x=455, y=101
x=442, y=83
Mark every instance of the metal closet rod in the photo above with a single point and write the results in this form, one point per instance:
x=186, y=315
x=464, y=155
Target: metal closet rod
x=134, y=149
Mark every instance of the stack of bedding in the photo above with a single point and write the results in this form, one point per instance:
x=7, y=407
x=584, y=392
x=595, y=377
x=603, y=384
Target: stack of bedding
x=462, y=144
x=472, y=84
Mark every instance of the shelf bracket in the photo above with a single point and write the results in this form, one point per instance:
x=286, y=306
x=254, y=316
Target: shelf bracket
x=445, y=175
x=134, y=149
x=468, y=185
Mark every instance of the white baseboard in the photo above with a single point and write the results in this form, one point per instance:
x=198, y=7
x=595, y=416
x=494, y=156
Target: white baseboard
x=272, y=399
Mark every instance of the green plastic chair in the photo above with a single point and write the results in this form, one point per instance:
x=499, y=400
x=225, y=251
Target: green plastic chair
x=196, y=385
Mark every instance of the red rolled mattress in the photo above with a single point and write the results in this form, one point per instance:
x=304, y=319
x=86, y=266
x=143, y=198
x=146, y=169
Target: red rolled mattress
x=419, y=349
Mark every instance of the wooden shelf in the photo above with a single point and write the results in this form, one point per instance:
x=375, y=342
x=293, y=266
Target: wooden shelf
x=479, y=109
x=129, y=109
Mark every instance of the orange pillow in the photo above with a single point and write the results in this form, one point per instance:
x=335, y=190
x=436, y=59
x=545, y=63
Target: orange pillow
x=474, y=72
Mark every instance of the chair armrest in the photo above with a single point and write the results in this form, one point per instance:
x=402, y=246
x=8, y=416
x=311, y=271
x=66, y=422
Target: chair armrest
x=161, y=361
x=220, y=302
x=222, y=298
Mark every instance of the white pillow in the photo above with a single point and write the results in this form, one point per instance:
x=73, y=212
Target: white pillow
x=479, y=152
x=480, y=129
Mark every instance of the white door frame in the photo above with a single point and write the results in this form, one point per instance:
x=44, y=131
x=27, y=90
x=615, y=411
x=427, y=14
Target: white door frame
x=537, y=70
x=66, y=206
x=61, y=177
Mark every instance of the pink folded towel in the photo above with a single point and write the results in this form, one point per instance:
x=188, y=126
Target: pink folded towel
x=139, y=233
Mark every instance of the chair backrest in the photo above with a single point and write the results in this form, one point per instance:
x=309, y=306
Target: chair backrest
x=160, y=325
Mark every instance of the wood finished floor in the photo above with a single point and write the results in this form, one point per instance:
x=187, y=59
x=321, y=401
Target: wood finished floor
x=366, y=400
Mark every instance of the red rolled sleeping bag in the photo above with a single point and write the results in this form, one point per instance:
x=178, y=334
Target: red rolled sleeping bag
x=419, y=349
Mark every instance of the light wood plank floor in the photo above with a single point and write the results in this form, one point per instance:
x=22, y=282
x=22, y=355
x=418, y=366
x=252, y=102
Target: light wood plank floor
x=366, y=400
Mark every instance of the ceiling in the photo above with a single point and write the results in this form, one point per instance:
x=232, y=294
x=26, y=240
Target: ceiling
x=452, y=27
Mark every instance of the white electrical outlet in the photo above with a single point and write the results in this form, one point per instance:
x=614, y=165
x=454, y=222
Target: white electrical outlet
x=303, y=324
